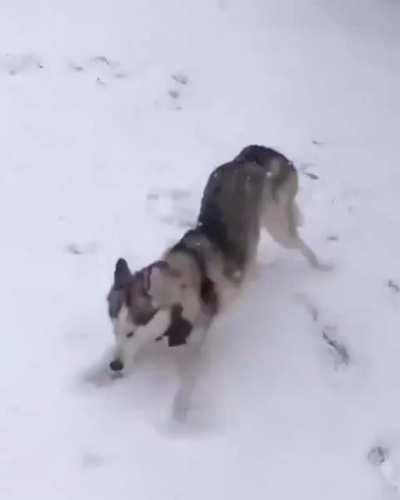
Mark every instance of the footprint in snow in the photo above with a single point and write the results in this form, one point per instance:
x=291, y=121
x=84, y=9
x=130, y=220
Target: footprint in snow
x=393, y=286
x=311, y=175
x=175, y=93
x=15, y=64
x=91, y=460
x=180, y=78
x=337, y=349
x=170, y=207
x=102, y=68
x=380, y=457
x=329, y=335
x=82, y=248
x=332, y=237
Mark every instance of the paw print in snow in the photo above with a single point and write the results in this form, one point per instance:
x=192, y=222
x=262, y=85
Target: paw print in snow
x=102, y=68
x=15, y=64
x=169, y=205
x=92, y=460
x=175, y=93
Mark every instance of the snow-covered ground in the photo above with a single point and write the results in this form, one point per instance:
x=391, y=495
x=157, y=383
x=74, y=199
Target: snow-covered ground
x=112, y=114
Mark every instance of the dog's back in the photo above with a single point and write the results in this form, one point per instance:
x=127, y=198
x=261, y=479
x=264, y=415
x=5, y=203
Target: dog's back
x=188, y=286
x=235, y=200
x=278, y=168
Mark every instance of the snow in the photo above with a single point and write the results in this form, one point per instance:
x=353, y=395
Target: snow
x=113, y=114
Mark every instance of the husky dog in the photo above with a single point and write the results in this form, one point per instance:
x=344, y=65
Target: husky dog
x=187, y=287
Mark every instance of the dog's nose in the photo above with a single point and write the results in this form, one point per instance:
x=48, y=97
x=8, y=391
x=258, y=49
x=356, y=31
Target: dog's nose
x=116, y=365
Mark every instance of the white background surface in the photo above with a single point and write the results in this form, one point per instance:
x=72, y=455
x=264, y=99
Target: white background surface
x=101, y=161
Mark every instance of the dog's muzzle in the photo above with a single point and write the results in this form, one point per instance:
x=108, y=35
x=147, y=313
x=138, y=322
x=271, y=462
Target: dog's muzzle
x=116, y=365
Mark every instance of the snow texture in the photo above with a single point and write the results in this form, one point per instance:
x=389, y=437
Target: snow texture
x=112, y=115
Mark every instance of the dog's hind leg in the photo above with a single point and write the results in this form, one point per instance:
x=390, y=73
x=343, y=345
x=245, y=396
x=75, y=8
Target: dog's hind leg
x=281, y=220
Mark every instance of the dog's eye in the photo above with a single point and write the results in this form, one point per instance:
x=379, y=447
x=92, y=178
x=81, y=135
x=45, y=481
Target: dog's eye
x=129, y=335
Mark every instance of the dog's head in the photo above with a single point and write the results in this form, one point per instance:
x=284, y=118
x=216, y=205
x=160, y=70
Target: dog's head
x=139, y=306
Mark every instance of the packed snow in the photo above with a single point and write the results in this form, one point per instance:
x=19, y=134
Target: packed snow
x=112, y=115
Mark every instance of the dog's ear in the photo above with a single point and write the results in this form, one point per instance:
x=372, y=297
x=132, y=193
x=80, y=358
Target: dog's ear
x=161, y=282
x=122, y=274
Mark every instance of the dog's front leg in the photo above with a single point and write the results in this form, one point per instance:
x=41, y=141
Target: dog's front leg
x=189, y=365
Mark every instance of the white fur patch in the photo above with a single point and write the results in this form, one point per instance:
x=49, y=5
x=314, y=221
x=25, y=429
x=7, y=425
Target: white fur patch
x=122, y=323
x=127, y=347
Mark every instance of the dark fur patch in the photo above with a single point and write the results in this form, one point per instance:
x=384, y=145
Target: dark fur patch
x=141, y=318
x=209, y=296
x=115, y=301
x=179, y=328
x=258, y=154
x=122, y=274
x=264, y=157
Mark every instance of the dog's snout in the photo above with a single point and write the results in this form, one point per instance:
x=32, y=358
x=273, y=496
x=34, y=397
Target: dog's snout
x=116, y=365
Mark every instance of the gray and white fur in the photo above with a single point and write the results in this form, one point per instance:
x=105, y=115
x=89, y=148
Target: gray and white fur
x=189, y=285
